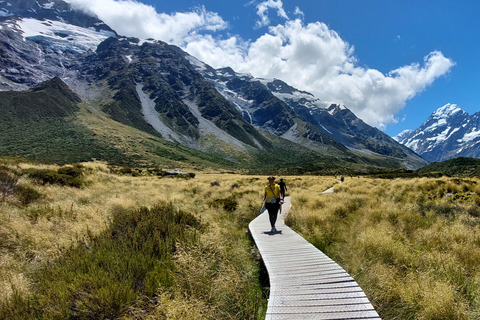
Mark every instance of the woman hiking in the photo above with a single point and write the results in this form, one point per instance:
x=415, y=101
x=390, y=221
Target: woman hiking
x=273, y=199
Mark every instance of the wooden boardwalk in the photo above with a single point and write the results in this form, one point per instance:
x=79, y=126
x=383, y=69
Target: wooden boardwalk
x=304, y=282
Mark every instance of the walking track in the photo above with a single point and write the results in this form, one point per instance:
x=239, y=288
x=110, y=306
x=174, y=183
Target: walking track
x=304, y=282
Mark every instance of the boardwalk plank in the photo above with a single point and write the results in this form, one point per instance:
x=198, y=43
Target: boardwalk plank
x=304, y=282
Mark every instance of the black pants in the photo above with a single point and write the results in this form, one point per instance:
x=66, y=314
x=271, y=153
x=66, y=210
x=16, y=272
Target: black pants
x=272, y=209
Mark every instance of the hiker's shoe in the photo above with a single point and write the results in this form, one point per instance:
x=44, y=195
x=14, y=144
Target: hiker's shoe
x=273, y=230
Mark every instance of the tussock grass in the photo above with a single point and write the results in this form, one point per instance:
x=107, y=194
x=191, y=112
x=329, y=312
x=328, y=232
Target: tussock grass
x=413, y=245
x=61, y=256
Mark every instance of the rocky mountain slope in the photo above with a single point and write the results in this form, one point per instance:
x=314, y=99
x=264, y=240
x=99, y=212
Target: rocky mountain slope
x=298, y=116
x=158, y=89
x=448, y=133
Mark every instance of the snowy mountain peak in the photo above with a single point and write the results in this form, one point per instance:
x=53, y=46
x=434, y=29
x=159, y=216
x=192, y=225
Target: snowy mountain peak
x=402, y=135
x=449, y=132
x=446, y=111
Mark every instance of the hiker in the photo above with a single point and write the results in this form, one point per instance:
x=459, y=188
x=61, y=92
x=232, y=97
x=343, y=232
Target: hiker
x=342, y=178
x=283, y=188
x=273, y=199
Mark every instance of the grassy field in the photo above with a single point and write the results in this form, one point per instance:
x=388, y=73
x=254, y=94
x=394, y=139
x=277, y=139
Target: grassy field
x=413, y=245
x=130, y=247
x=106, y=245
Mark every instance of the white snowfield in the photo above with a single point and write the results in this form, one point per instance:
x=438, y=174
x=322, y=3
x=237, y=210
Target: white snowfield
x=62, y=36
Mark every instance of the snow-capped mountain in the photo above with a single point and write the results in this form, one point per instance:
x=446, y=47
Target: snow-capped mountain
x=159, y=89
x=42, y=39
x=144, y=84
x=448, y=133
x=279, y=108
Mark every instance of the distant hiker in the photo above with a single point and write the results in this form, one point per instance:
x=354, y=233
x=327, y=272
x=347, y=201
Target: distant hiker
x=273, y=199
x=283, y=188
x=342, y=178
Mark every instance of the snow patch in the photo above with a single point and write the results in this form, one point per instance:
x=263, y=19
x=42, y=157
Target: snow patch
x=49, y=5
x=61, y=35
x=474, y=134
x=141, y=42
x=326, y=130
x=199, y=65
x=446, y=111
x=442, y=136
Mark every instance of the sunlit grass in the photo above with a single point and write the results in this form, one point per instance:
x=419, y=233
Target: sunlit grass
x=218, y=275
x=413, y=245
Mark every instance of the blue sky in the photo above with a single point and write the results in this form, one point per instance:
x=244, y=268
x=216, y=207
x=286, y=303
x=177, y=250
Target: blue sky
x=392, y=63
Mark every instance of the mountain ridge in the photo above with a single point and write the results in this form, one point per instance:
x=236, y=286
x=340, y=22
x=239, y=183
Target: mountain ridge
x=327, y=122
x=449, y=132
x=153, y=87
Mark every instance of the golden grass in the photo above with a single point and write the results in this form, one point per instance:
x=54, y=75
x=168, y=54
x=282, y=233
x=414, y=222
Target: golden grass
x=213, y=274
x=412, y=245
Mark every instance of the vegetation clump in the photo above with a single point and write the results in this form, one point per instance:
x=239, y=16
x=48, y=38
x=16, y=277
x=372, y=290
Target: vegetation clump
x=70, y=176
x=228, y=204
x=8, y=182
x=10, y=186
x=103, y=276
x=26, y=194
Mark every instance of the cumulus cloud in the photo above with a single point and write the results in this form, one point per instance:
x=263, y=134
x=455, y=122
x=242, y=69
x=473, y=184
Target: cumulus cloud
x=311, y=56
x=132, y=18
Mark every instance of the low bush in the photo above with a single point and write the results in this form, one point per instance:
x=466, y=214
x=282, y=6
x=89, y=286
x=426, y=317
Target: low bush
x=75, y=170
x=100, y=278
x=26, y=194
x=65, y=176
x=228, y=204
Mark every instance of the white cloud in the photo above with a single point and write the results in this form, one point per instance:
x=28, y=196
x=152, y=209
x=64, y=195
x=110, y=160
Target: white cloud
x=299, y=13
x=310, y=56
x=132, y=18
x=262, y=11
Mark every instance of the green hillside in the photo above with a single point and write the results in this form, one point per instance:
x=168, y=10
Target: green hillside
x=461, y=166
x=50, y=124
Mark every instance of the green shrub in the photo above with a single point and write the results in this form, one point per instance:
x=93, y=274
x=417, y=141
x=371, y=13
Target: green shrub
x=26, y=194
x=41, y=176
x=66, y=176
x=69, y=181
x=75, y=170
x=228, y=204
x=105, y=274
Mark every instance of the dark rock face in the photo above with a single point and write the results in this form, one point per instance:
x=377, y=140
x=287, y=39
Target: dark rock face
x=259, y=106
x=169, y=80
x=276, y=107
